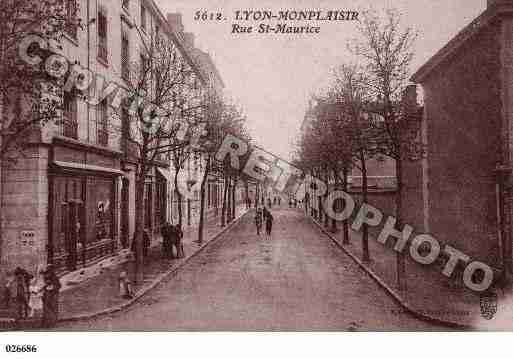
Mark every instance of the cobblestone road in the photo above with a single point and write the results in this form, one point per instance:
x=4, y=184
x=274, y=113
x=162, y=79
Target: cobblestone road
x=296, y=280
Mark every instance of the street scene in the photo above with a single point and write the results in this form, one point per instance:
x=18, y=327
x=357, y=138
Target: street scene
x=257, y=166
x=296, y=278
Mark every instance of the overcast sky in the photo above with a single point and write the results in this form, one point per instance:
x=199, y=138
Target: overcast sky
x=271, y=76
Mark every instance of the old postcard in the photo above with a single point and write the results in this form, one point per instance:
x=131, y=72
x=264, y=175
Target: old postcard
x=256, y=165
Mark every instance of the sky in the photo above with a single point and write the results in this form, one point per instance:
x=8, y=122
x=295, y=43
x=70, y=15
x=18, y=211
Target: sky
x=271, y=76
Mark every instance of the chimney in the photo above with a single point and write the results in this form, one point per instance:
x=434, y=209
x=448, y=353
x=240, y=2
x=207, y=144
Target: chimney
x=188, y=39
x=175, y=20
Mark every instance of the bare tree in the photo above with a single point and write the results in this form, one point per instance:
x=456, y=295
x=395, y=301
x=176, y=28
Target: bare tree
x=29, y=97
x=387, y=52
x=164, y=94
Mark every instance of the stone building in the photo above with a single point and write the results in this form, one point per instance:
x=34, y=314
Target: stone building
x=463, y=185
x=70, y=199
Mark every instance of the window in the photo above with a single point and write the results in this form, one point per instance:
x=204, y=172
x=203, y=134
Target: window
x=125, y=56
x=102, y=36
x=71, y=18
x=143, y=17
x=144, y=73
x=102, y=123
x=125, y=130
x=126, y=4
x=69, y=126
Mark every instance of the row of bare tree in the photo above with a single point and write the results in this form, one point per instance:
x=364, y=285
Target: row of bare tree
x=368, y=111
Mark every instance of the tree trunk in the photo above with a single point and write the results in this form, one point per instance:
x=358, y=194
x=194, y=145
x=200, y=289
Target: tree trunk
x=334, y=228
x=179, y=197
x=234, y=189
x=257, y=194
x=188, y=211
x=345, y=225
x=326, y=217
x=229, y=201
x=138, y=243
x=223, y=211
x=365, y=229
x=401, y=265
x=202, y=201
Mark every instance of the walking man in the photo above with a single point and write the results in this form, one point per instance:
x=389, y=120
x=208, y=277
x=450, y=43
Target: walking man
x=269, y=223
x=258, y=220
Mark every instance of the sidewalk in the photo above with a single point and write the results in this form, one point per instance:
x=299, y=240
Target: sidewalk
x=430, y=295
x=100, y=294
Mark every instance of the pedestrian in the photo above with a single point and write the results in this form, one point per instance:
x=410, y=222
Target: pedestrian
x=265, y=213
x=258, y=220
x=269, y=223
x=146, y=243
x=125, y=286
x=7, y=292
x=178, y=241
x=50, y=297
x=269, y=204
x=166, y=239
x=21, y=292
x=279, y=201
x=36, y=295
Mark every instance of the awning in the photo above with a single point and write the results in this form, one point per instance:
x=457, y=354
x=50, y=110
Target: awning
x=84, y=167
x=165, y=174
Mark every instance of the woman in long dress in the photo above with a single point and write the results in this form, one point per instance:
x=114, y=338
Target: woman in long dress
x=36, y=295
x=51, y=298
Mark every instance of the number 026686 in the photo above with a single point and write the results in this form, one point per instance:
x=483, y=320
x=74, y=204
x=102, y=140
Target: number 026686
x=16, y=348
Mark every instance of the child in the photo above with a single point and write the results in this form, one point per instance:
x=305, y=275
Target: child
x=125, y=287
x=36, y=295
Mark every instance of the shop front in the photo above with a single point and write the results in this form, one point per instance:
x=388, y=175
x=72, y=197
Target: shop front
x=83, y=220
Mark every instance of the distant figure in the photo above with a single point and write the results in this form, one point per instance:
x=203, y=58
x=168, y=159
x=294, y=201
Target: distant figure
x=125, y=286
x=21, y=292
x=176, y=241
x=269, y=204
x=166, y=230
x=269, y=224
x=258, y=220
x=51, y=298
x=265, y=213
x=36, y=295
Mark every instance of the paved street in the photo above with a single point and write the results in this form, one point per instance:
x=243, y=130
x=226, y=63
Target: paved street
x=297, y=280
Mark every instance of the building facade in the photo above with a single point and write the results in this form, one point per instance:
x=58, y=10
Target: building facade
x=464, y=183
x=70, y=200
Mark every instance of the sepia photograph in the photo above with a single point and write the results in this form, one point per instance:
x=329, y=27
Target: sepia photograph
x=313, y=166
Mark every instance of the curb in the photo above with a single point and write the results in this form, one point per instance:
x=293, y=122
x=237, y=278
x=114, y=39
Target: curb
x=392, y=292
x=141, y=292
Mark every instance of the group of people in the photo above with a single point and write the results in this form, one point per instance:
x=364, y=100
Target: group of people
x=264, y=215
x=172, y=237
x=34, y=296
